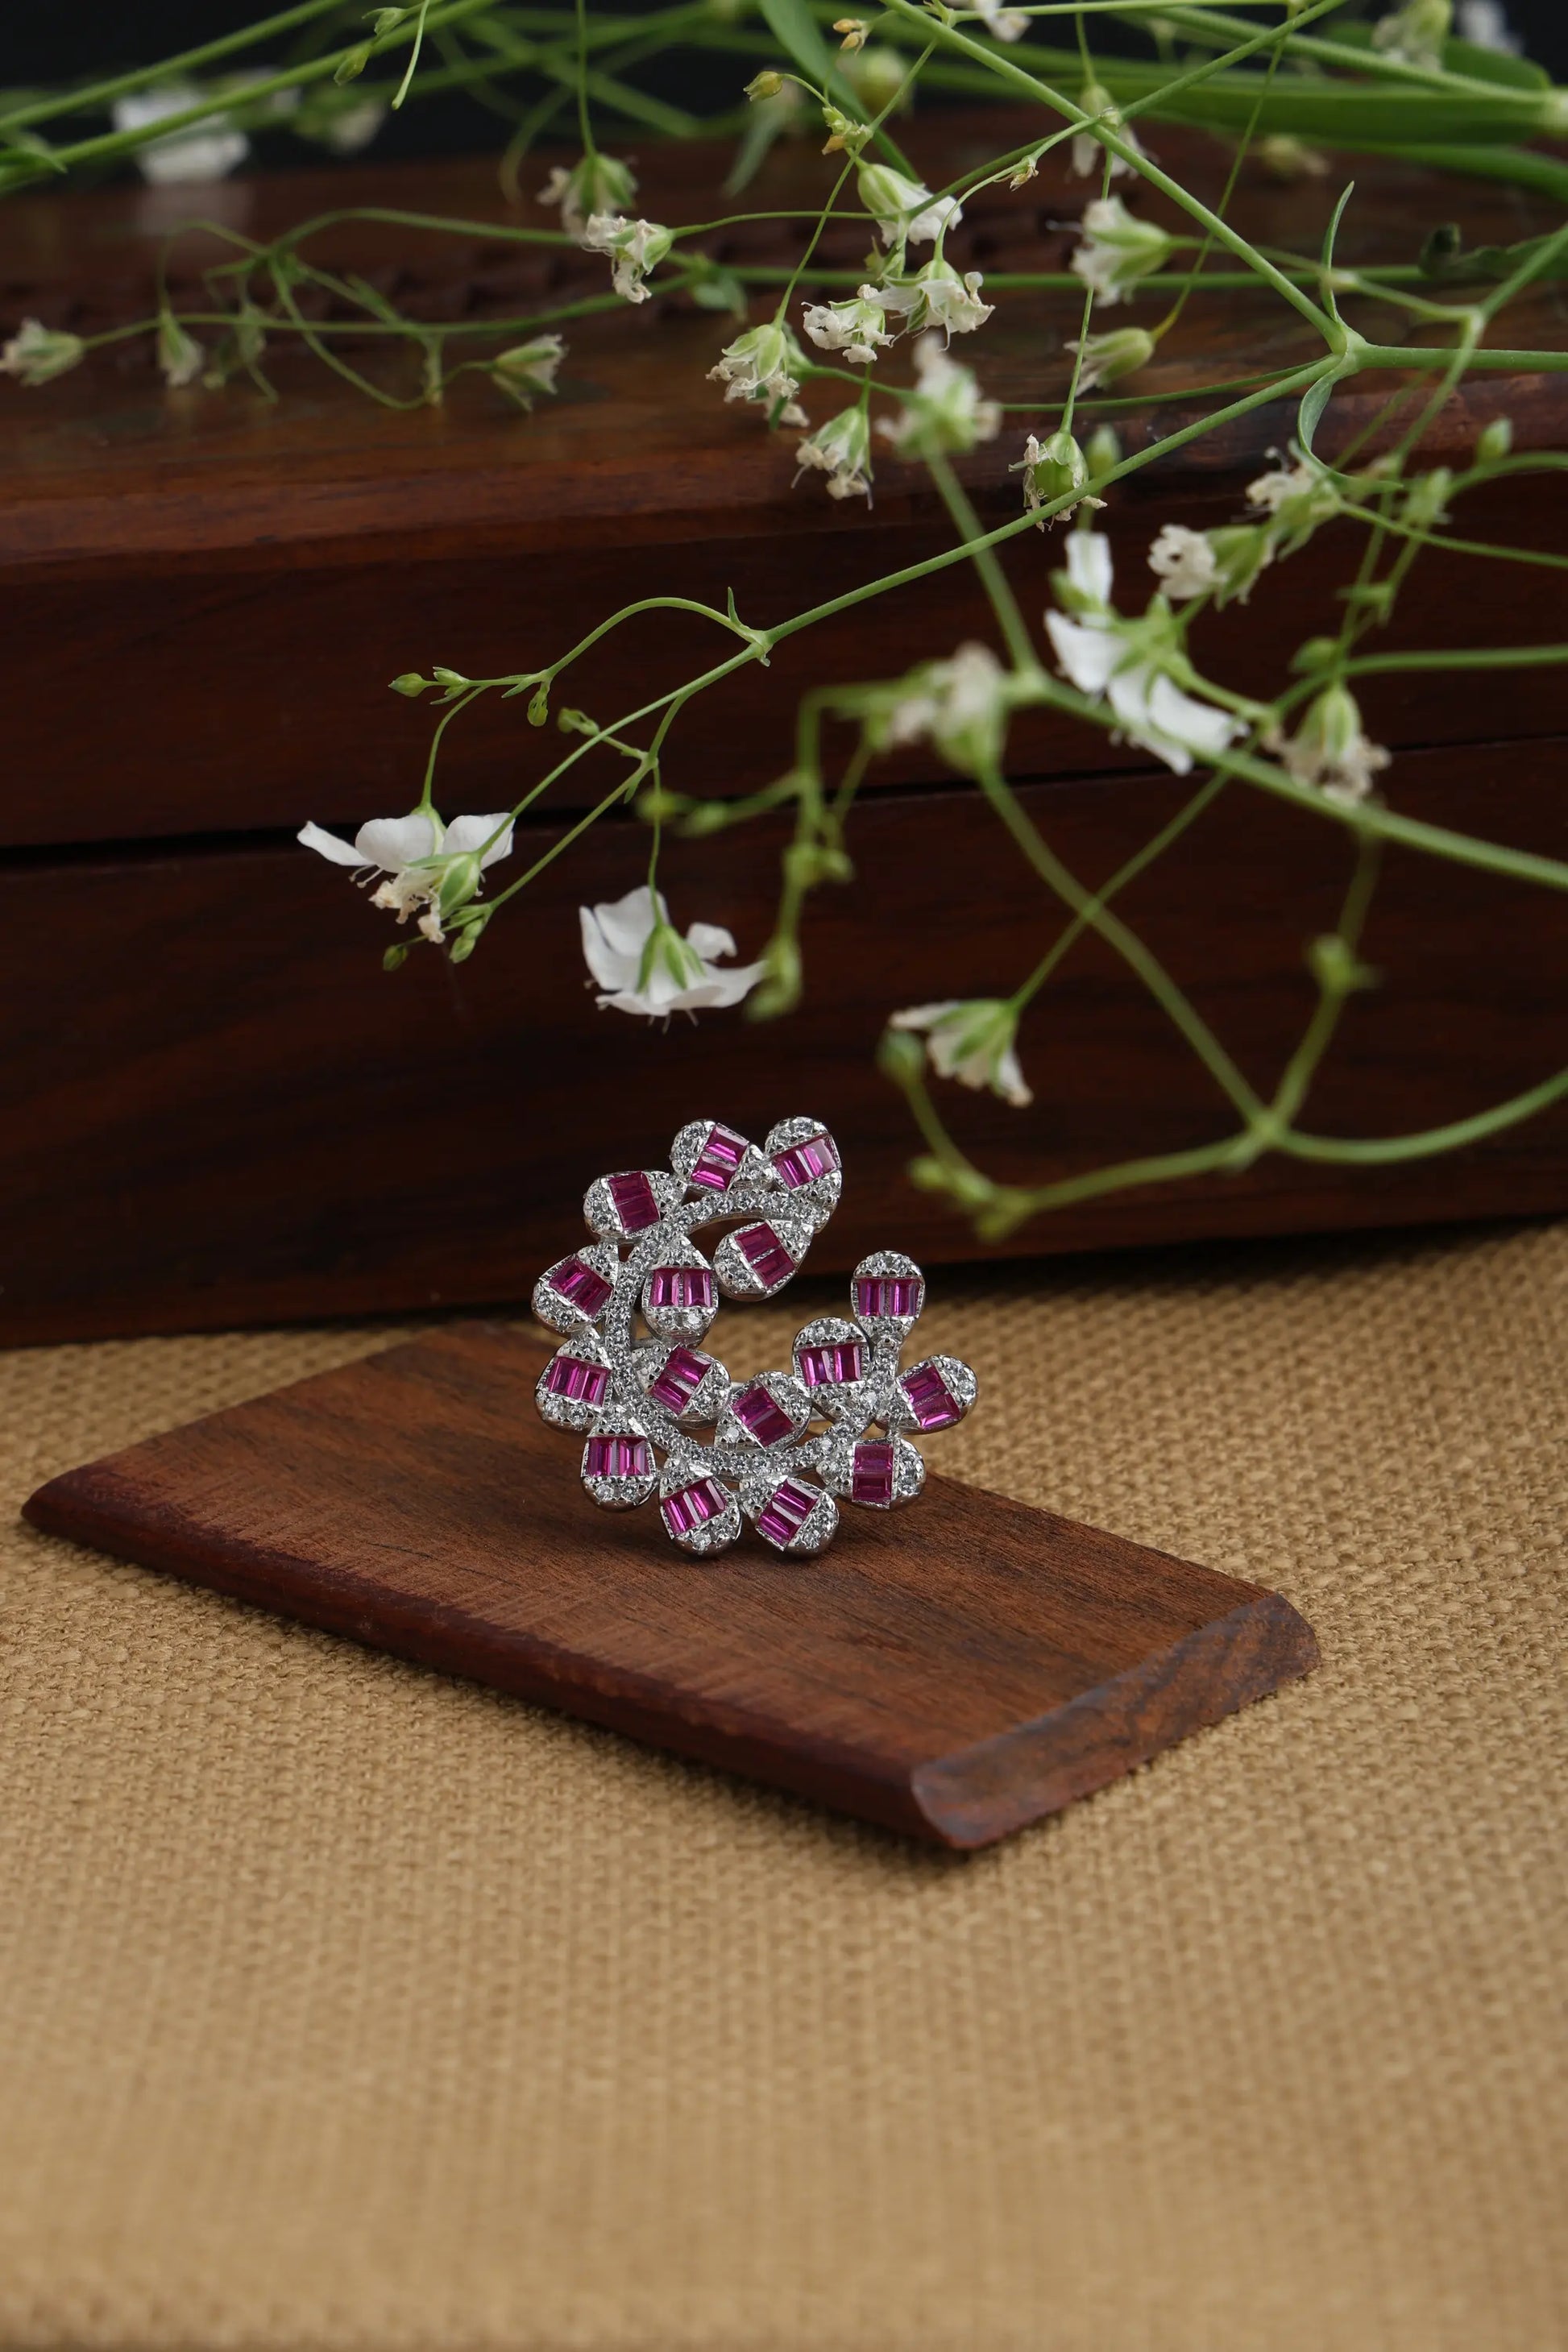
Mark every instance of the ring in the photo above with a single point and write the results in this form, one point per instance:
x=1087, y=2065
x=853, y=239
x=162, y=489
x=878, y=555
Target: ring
x=640, y=1395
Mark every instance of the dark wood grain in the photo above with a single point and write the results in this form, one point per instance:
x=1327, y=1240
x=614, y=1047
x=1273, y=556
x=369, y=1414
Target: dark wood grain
x=207, y=593
x=214, y=1106
x=231, y=1113
x=953, y=1671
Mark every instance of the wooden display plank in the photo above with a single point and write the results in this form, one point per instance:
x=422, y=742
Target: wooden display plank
x=951, y=1671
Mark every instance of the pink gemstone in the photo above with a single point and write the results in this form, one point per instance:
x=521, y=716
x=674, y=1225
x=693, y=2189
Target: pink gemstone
x=680, y=1286
x=816, y=1157
x=693, y=1506
x=617, y=1457
x=570, y=1377
x=788, y=1510
x=841, y=1360
x=762, y=1416
x=680, y=1377
x=764, y=1253
x=719, y=1159
x=872, y=1475
x=933, y=1403
x=635, y=1205
x=581, y=1285
x=889, y=1294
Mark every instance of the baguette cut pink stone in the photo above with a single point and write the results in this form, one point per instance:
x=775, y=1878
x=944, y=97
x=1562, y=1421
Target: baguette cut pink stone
x=786, y=1511
x=840, y=1361
x=817, y=1156
x=889, y=1294
x=871, y=1477
x=617, y=1457
x=717, y=1161
x=583, y=1286
x=680, y=1286
x=764, y=1253
x=677, y=1379
x=762, y=1416
x=633, y=1200
x=931, y=1401
x=696, y=1504
x=570, y=1377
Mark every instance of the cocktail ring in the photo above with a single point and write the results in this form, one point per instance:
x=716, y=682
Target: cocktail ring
x=787, y=1447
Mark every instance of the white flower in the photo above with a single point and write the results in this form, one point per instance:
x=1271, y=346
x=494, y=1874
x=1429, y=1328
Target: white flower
x=528, y=367
x=859, y=328
x=960, y=704
x=1296, y=499
x=426, y=865
x=1413, y=33
x=1004, y=23
x=1106, y=358
x=1485, y=24
x=596, y=185
x=1129, y=663
x=180, y=356
x=1118, y=250
x=644, y=965
x=635, y=247
x=1184, y=562
x=1224, y=561
x=937, y=297
x=756, y=366
x=842, y=450
x=1330, y=749
x=946, y=410
x=1089, y=157
x=974, y=1043
x=202, y=151
x=37, y=352
x=902, y=209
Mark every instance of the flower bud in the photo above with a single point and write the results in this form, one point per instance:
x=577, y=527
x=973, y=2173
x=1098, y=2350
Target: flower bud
x=767, y=84
x=395, y=958
x=35, y=354
x=1108, y=358
x=411, y=684
x=350, y=65
x=1495, y=441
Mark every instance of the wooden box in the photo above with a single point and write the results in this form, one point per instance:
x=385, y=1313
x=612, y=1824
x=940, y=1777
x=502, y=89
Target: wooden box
x=217, y=1104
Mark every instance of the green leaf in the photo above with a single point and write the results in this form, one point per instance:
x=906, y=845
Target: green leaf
x=1494, y=64
x=1444, y=261
x=792, y=23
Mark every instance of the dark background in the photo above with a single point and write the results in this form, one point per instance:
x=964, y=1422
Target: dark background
x=50, y=42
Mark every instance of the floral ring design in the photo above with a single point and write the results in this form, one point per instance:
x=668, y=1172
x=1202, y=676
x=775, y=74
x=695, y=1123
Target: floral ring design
x=787, y=1447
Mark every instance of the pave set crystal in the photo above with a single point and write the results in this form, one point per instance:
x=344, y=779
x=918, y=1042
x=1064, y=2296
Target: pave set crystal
x=787, y=1447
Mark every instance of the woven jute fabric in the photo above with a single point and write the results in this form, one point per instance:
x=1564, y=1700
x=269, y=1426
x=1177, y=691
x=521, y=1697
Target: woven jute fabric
x=344, y=2005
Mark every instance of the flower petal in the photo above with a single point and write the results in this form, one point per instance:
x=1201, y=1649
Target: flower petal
x=627, y=922
x=469, y=832
x=922, y=1017
x=1199, y=724
x=723, y=988
x=393, y=842
x=341, y=853
x=612, y=967
x=1087, y=654
x=710, y=940
x=1089, y=565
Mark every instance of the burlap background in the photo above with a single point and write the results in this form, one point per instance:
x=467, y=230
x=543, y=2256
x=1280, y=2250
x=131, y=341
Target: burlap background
x=342, y=2005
